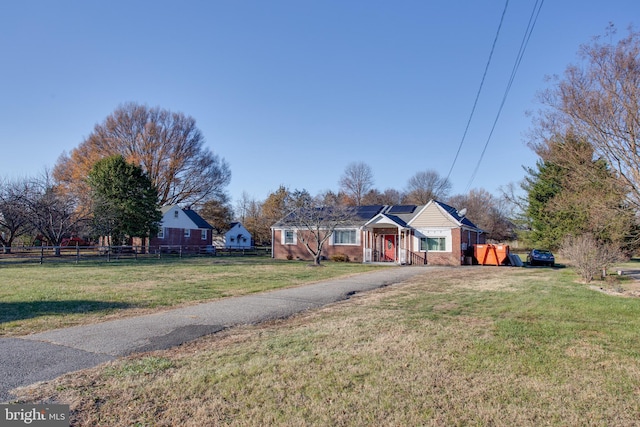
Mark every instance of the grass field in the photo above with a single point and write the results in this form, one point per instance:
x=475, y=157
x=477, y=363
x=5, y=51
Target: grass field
x=495, y=346
x=37, y=297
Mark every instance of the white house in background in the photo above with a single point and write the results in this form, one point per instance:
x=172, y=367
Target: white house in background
x=237, y=237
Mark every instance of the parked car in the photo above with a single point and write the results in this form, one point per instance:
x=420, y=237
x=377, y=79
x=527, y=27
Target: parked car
x=541, y=257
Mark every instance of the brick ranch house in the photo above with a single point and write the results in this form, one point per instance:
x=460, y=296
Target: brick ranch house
x=182, y=229
x=434, y=233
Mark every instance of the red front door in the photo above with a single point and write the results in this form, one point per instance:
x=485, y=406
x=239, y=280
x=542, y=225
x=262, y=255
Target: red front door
x=389, y=247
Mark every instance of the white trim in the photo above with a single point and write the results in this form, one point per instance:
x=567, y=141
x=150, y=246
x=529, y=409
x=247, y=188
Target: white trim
x=435, y=233
x=355, y=231
x=382, y=219
x=283, y=236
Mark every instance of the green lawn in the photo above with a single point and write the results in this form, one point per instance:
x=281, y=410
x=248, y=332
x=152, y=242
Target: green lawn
x=494, y=346
x=35, y=297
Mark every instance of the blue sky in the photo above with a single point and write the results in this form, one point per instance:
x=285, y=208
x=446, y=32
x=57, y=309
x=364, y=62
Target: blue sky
x=291, y=92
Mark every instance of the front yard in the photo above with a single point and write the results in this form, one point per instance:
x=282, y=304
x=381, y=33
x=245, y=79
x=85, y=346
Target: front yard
x=37, y=297
x=497, y=346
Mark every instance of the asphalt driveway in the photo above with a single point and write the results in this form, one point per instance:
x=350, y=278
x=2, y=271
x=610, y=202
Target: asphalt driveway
x=44, y=356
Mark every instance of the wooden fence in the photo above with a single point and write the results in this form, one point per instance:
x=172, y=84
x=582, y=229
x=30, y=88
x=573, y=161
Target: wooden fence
x=77, y=254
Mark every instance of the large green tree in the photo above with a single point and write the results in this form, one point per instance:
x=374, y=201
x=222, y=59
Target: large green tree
x=124, y=200
x=573, y=192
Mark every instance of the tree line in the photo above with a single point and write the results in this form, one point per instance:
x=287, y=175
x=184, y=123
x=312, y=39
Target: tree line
x=114, y=182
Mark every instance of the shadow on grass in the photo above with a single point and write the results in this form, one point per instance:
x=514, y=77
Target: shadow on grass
x=12, y=311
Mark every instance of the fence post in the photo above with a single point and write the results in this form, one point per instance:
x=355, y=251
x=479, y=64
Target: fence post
x=41, y=254
x=77, y=254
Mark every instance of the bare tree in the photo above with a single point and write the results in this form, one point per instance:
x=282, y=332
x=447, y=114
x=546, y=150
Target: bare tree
x=390, y=196
x=249, y=212
x=589, y=256
x=315, y=222
x=243, y=205
x=168, y=146
x=425, y=186
x=218, y=213
x=356, y=181
x=52, y=213
x=14, y=212
x=599, y=101
x=487, y=212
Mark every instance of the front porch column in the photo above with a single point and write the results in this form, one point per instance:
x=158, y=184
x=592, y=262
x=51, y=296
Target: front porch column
x=399, y=247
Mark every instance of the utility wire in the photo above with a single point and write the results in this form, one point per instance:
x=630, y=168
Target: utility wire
x=523, y=46
x=475, y=103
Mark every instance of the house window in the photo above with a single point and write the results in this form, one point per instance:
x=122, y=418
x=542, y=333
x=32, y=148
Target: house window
x=289, y=237
x=203, y=234
x=344, y=237
x=175, y=214
x=433, y=244
x=161, y=233
x=187, y=232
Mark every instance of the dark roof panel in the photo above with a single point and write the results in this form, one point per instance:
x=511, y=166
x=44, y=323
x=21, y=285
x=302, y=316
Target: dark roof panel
x=368, y=211
x=197, y=219
x=401, y=209
x=454, y=213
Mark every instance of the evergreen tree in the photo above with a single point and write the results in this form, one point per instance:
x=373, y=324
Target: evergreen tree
x=124, y=200
x=572, y=193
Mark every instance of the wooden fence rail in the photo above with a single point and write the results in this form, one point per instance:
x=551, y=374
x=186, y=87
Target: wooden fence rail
x=42, y=254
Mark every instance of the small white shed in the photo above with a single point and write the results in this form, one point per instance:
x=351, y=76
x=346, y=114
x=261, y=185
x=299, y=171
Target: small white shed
x=237, y=237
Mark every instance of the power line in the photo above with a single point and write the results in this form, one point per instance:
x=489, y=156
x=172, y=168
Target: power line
x=523, y=46
x=475, y=103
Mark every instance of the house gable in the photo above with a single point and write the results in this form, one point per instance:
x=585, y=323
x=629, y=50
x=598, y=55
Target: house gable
x=386, y=220
x=432, y=215
x=175, y=217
